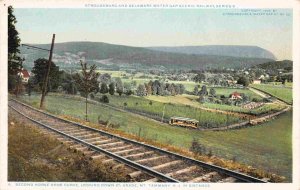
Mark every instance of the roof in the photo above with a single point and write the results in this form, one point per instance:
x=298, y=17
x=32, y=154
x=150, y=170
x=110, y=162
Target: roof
x=184, y=119
x=235, y=94
x=25, y=73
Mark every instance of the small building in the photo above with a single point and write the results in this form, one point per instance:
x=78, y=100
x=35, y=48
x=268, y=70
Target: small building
x=256, y=81
x=236, y=96
x=25, y=75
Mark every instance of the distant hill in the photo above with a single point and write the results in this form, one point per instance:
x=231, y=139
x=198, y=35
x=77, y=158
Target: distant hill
x=285, y=65
x=223, y=50
x=109, y=56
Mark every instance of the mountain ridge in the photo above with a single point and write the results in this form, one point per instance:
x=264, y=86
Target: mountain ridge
x=67, y=54
x=222, y=50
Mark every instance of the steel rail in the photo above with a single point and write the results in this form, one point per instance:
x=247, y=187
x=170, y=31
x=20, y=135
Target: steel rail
x=110, y=154
x=235, y=174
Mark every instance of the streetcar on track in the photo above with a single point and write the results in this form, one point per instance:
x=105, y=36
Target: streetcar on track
x=184, y=122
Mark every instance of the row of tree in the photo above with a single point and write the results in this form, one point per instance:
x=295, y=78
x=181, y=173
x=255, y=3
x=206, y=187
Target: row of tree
x=159, y=88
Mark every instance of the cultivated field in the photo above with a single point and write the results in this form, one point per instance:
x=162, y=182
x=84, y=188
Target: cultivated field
x=167, y=110
x=191, y=100
x=252, y=146
x=285, y=94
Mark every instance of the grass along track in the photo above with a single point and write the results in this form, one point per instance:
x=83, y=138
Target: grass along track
x=249, y=145
x=285, y=94
x=162, y=165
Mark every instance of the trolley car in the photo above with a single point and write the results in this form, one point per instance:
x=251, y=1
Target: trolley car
x=184, y=122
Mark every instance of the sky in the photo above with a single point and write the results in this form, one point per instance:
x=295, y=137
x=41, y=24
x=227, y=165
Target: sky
x=159, y=27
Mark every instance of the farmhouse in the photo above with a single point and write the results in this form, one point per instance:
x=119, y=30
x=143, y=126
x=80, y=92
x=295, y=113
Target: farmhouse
x=235, y=96
x=24, y=74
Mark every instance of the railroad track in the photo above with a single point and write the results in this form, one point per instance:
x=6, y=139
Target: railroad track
x=147, y=163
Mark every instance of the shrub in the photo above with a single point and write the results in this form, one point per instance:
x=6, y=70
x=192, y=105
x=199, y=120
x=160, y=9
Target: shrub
x=201, y=99
x=92, y=96
x=218, y=101
x=197, y=148
x=104, y=99
x=266, y=100
x=129, y=92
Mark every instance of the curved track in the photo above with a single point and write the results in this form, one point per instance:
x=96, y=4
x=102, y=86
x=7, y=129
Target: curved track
x=149, y=163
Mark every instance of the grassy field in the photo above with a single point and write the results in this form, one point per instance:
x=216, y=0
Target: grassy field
x=112, y=73
x=287, y=84
x=272, y=152
x=285, y=94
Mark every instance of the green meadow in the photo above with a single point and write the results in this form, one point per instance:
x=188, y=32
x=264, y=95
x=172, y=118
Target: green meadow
x=283, y=93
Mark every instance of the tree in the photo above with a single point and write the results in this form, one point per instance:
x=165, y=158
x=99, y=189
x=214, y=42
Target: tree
x=103, y=88
x=155, y=87
x=104, y=99
x=128, y=92
x=181, y=89
x=212, y=92
x=87, y=82
x=202, y=98
x=111, y=89
x=196, y=90
x=19, y=85
x=30, y=85
x=245, y=98
x=14, y=59
x=171, y=89
x=104, y=78
x=203, y=91
x=199, y=77
x=161, y=89
x=68, y=83
x=119, y=86
x=127, y=89
x=243, y=81
x=40, y=69
x=149, y=88
x=141, y=90
x=177, y=89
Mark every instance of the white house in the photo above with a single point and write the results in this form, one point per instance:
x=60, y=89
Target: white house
x=25, y=75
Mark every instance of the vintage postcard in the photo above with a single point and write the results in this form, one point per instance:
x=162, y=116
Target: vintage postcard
x=150, y=94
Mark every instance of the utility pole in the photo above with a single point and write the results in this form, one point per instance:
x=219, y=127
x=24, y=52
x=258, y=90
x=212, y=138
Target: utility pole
x=44, y=89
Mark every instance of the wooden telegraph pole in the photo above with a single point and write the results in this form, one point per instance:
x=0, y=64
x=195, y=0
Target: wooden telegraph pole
x=44, y=89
